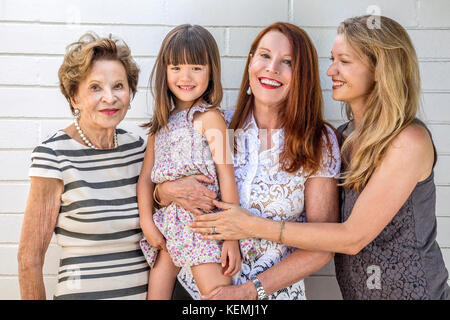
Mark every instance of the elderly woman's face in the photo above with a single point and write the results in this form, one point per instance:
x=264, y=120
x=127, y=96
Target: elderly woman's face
x=270, y=69
x=103, y=97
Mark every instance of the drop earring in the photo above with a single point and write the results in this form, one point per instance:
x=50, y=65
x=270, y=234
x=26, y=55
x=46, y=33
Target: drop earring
x=76, y=113
x=249, y=90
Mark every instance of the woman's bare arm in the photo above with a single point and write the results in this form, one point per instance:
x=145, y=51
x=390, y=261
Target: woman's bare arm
x=321, y=205
x=41, y=214
x=408, y=160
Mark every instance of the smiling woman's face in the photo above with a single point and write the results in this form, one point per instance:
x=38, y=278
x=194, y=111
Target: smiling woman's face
x=103, y=97
x=352, y=79
x=270, y=69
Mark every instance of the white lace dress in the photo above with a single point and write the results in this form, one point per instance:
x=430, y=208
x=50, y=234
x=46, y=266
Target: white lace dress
x=269, y=192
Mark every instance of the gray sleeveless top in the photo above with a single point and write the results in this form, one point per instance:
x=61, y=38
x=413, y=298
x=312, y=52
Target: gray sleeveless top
x=404, y=261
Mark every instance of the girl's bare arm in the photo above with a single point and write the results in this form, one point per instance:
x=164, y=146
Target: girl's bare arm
x=145, y=186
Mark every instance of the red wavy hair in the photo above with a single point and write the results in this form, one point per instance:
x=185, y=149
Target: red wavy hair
x=302, y=116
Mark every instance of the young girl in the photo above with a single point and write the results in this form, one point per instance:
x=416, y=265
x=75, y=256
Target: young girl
x=187, y=136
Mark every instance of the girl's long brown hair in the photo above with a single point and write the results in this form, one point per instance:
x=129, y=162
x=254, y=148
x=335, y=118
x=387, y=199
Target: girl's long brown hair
x=185, y=44
x=302, y=115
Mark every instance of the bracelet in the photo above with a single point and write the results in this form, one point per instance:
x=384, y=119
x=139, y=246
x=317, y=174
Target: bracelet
x=280, y=240
x=154, y=195
x=262, y=295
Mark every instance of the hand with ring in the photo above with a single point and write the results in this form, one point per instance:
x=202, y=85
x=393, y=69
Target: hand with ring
x=234, y=222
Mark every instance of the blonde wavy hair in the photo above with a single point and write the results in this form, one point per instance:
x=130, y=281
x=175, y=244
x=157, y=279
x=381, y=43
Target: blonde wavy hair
x=392, y=104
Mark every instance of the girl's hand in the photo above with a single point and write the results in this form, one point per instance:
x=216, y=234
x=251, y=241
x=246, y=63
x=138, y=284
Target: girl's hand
x=189, y=193
x=231, y=224
x=231, y=256
x=154, y=237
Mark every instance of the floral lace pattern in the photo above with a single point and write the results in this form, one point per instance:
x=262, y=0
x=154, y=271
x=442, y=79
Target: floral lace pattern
x=404, y=261
x=267, y=191
x=393, y=253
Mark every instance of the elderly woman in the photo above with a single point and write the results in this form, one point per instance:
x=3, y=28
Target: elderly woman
x=286, y=163
x=83, y=184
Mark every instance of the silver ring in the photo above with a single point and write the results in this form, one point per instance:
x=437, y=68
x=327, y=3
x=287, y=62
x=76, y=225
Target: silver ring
x=213, y=230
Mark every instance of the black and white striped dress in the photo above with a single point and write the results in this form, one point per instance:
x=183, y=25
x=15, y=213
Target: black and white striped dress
x=98, y=223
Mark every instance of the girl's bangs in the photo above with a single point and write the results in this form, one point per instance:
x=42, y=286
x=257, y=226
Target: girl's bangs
x=185, y=50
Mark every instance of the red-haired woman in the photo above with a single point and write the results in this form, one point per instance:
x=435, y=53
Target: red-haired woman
x=286, y=164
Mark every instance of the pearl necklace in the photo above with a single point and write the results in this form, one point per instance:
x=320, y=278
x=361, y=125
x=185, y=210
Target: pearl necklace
x=83, y=137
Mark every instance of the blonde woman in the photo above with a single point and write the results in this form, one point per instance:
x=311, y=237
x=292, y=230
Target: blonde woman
x=386, y=242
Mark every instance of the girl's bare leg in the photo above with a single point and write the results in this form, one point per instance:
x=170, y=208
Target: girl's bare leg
x=162, y=278
x=209, y=276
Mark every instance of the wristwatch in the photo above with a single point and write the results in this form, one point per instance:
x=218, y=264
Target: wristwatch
x=262, y=295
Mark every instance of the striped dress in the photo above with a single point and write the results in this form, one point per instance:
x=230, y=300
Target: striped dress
x=98, y=223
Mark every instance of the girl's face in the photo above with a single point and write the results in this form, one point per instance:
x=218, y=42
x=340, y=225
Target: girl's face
x=187, y=82
x=352, y=79
x=103, y=97
x=270, y=71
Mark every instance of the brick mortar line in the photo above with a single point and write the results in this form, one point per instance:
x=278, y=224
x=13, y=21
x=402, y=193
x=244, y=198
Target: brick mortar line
x=9, y=213
x=120, y=24
x=227, y=42
x=290, y=5
x=14, y=181
x=416, y=13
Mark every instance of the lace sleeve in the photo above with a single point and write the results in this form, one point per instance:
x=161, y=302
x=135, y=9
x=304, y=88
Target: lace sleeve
x=331, y=163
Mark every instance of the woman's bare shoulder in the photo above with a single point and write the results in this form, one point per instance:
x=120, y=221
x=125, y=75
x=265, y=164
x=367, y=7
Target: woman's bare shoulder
x=413, y=148
x=413, y=138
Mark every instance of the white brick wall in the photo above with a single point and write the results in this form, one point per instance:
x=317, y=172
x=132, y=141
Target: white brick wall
x=34, y=34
